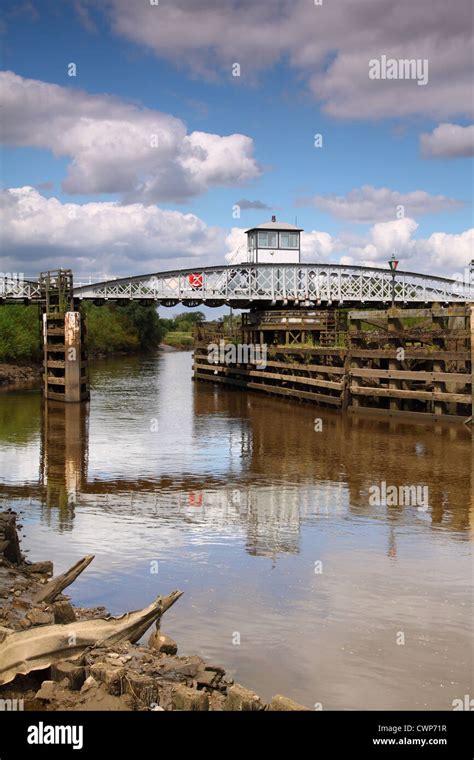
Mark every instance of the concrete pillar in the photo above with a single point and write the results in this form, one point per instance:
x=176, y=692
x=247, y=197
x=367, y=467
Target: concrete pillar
x=65, y=358
x=72, y=356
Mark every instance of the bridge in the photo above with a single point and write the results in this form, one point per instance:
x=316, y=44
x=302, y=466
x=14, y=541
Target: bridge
x=245, y=285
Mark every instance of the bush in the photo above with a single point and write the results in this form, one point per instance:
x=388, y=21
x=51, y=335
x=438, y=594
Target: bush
x=110, y=329
x=20, y=338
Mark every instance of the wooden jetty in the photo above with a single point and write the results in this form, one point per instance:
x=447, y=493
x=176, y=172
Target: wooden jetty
x=415, y=361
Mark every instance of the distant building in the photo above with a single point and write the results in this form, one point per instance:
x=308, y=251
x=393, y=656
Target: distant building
x=274, y=242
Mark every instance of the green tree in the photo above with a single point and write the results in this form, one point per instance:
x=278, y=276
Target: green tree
x=20, y=333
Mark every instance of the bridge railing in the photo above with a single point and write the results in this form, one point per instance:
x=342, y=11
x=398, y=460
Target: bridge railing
x=304, y=282
x=16, y=288
x=308, y=283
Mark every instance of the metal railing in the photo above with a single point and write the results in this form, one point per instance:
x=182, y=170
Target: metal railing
x=241, y=284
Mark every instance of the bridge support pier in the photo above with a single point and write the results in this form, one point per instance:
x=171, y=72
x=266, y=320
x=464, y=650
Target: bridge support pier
x=64, y=341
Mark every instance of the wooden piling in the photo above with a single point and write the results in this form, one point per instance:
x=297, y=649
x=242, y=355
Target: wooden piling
x=65, y=362
x=409, y=361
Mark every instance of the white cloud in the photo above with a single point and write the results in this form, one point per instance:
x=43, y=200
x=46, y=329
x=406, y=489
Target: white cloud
x=331, y=44
x=384, y=239
x=448, y=141
x=441, y=253
x=118, y=147
x=370, y=204
x=100, y=238
x=109, y=239
x=236, y=244
x=316, y=246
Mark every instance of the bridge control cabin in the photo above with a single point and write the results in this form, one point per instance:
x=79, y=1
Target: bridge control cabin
x=274, y=243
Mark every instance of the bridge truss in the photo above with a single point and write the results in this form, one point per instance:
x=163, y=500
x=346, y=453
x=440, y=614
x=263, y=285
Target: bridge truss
x=244, y=285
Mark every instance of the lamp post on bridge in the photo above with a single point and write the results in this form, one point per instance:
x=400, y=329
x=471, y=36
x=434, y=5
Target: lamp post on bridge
x=393, y=264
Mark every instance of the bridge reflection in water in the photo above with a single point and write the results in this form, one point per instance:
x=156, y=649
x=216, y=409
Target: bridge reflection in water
x=282, y=481
x=237, y=496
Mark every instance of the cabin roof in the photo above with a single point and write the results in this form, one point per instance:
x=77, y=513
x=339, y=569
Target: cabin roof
x=282, y=226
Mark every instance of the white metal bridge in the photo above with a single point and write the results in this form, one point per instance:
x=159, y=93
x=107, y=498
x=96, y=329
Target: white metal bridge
x=245, y=285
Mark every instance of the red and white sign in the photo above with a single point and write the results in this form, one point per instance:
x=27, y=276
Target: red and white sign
x=195, y=280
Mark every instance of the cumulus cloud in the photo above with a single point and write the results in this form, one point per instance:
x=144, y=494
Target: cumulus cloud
x=236, y=245
x=118, y=147
x=316, y=246
x=441, y=253
x=110, y=239
x=448, y=141
x=370, y=204
x=100, y=239
x=330, y=44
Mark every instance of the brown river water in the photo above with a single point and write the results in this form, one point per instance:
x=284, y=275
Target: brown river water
x=296, y=578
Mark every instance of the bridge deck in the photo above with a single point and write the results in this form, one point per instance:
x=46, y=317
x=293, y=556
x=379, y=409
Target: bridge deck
x=246, y=284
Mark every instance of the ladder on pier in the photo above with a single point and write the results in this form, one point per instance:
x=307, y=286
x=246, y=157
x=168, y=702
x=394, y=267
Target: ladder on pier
x=66, y=376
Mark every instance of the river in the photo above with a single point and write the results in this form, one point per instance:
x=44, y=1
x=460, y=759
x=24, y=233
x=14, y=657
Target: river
x=262, y=511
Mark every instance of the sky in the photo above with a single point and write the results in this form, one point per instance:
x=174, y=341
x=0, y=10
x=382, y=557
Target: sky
x=145, y=135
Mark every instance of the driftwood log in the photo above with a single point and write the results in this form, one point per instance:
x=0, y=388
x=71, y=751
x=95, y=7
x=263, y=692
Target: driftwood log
x=50, y=590
x=22, y=652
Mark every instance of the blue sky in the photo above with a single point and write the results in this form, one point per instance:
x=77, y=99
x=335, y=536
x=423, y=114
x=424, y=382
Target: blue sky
x=374, y=141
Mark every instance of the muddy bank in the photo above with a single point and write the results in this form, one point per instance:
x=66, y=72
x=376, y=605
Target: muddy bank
x=165, y=347
x=55, y=656
x=20, y=376
x=25, y=376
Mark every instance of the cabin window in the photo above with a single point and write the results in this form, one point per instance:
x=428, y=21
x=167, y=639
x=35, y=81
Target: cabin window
x=288, y=240
x=267, y=239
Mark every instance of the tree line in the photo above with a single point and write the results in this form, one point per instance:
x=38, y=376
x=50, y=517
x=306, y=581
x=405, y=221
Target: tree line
x=111, y=329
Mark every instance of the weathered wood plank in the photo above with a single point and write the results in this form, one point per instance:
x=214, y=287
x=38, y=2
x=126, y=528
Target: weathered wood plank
x=454, y=377
x=458, y=398
x=450, y=311
x=334, y=400
x=325, y=368
x=332, y=384
x=51, y=380
x=411, y=353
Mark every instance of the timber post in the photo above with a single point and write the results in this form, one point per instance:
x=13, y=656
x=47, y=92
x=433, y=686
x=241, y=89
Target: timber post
x=472, y=363
x=65, y=362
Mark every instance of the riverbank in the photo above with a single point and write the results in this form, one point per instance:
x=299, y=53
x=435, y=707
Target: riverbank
x=106, y=673
x=20, y=376
x=28, y=376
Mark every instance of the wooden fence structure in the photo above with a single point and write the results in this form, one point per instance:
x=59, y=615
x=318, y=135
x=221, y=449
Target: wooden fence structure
x=416, y=361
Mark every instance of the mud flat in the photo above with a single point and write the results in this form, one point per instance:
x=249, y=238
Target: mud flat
x=55, y=656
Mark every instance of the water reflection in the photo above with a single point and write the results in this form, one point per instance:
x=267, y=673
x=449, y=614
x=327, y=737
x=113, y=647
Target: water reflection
x=264, y=464
x=238, y=497
x=64, y=453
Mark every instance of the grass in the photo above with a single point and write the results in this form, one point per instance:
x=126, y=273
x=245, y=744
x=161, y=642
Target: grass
x=178, y=339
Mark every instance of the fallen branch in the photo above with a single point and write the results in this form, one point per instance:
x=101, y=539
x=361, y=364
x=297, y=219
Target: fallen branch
x=37, y=648
x=50, y=590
